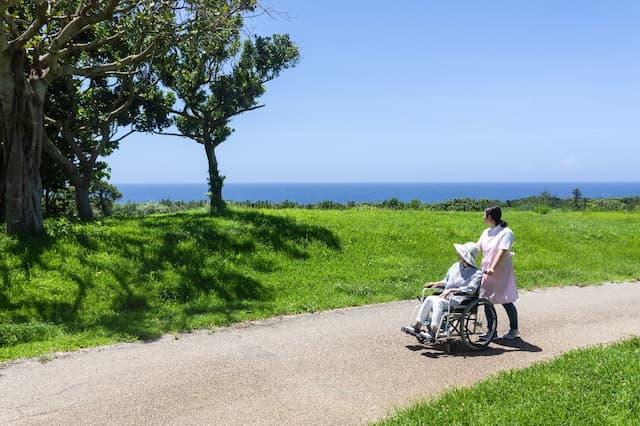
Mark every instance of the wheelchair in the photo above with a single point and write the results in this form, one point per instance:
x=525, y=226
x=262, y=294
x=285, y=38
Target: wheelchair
x=469, y=320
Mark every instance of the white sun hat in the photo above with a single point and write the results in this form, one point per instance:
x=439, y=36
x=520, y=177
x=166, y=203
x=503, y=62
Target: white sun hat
x=468, y=251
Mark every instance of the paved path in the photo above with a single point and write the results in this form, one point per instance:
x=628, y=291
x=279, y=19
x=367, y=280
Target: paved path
x=341, y=367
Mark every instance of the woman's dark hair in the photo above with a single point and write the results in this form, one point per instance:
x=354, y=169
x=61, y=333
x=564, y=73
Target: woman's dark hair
x=495, y=213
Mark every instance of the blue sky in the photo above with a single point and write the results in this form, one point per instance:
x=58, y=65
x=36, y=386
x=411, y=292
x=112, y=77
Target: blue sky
x=432, y=91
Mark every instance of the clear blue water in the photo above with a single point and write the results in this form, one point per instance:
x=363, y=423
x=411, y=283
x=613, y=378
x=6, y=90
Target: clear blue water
x=305, y=193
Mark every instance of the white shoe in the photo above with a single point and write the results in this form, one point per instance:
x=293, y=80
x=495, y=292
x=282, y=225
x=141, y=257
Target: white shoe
x=512, y=334
x=413, y=330
x=427, y=336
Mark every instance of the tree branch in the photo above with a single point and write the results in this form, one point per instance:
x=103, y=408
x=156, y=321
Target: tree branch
x=129, y=133
x=86, y=47
x=13, y=27
x=32, y=30
x=106, y=137
x=185, y=114
x=60, y=158
x=102, y=69
x=215, y=123
x=226, y=118
x=122, y=102
x=4, y=40
x=69, y=137
x=81, y=22
x=181, y=135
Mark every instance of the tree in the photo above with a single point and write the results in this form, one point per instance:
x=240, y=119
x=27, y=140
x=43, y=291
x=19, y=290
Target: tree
x=55, y=185
x=42, y=41
x=84, y=118
x=217, y=76
x=577, y=197
x=103, y=195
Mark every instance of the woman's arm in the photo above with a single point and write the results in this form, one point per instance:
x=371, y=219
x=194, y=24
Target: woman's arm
x=496, y=261
x=504, y=245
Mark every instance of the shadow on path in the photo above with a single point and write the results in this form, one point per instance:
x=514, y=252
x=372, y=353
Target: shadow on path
x=497, y=347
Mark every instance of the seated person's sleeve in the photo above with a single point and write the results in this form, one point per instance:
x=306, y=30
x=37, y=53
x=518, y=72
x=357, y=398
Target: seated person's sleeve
x=472, y=286
x=445, y=280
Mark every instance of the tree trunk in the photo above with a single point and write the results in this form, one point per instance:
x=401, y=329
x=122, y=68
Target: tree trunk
x=22, y=102
x=83, y=205
x=216, y=181
x=80, y=181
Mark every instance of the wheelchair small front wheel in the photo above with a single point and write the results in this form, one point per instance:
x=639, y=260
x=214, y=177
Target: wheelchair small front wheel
x=478, y=323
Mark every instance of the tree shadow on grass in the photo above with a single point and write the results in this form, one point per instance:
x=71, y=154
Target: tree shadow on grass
x=53, y=309
x=29, y=250
x=165, y=271
x=284, y=235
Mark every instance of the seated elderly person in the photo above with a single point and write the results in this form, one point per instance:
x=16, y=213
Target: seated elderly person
x=462, y=277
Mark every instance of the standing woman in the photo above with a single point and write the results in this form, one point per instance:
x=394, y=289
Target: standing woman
x=499, y=282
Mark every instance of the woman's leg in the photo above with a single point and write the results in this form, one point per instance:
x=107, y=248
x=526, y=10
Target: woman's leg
x=512, y=313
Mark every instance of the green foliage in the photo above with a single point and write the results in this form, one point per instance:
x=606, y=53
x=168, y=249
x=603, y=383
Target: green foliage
x=465, y=204
x=103, y=195
x=155, y=207
x=90, y=58
x=595, y=386
x=13, y=334
x=542, y=209
x=138, y=277
x=59, y=228
x=216, y=75
x=59, y=202
x=392, y=203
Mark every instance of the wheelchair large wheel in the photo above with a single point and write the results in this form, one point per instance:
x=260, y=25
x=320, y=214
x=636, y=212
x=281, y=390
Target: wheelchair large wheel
x=474, y=324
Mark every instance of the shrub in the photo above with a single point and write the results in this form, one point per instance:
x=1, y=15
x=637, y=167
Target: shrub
x=392, y=203
x=13, y=334
x=542, y=209
x=152, y=207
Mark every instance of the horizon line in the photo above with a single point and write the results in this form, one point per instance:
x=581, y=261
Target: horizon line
x=376, y=182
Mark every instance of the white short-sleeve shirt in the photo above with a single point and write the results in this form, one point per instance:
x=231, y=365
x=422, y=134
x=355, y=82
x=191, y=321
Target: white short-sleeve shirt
x=496, y=237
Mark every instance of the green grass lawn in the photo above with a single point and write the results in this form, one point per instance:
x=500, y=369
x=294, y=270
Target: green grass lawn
x=596, y=386
x=127, y=279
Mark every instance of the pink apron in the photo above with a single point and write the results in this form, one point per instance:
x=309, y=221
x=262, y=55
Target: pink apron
x=500, y=287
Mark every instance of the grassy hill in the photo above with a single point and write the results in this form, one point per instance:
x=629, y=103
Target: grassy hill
x=136, y=278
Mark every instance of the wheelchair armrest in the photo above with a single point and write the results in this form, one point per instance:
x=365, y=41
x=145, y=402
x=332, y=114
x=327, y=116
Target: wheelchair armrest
x=466, y=299
x=434, y=292
x=459, y=293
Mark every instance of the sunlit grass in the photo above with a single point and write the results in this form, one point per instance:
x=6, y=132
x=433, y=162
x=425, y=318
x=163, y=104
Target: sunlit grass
x=124, y=279
x=596, y=386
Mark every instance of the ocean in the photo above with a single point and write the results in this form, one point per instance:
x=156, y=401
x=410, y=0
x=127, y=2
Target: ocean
x=306, y=193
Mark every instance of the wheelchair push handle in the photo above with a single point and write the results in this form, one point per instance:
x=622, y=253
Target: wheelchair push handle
x=423, y=295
